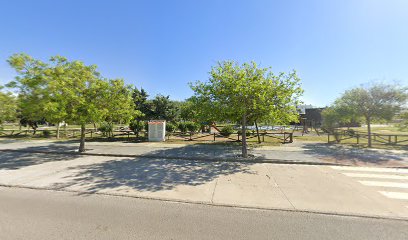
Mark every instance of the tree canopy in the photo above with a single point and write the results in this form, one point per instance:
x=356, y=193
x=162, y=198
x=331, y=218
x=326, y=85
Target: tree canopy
x=370, y=103
x=243, y=93
x=69, y=91
x=8, y=106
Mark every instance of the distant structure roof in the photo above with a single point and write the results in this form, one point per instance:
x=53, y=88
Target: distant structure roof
x=302, y=108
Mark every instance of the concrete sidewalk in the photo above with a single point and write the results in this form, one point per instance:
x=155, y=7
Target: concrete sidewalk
x=298, y=152
x=255, y=185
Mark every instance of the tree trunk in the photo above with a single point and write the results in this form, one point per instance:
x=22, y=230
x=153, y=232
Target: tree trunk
x=82, y=141
x=369, y=131
x=244, y=143
x=95, y=128
x=257, y=132
x=58, y=130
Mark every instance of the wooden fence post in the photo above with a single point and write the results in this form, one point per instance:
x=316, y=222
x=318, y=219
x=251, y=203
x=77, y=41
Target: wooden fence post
x=214, y=137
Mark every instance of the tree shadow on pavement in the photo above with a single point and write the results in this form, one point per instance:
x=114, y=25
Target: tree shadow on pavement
x=199, y=151
x=348, y=154
x=12, y=160
x=150, y=173
x=147, y=174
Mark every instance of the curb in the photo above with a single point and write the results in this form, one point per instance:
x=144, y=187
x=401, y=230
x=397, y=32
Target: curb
x=206, y=159
x=326, y=213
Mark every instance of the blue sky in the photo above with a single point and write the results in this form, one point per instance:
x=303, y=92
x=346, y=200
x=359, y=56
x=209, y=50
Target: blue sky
x=163, y=45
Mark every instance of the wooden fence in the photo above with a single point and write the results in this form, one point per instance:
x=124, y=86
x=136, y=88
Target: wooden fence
x=357, y=137
x=67, y=133
x=284, y=137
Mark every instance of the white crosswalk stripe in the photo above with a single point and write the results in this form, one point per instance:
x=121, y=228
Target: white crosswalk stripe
x=371, y=169
x=384, y=184
x=372, y=175
x=390, y=182
x=395, y=195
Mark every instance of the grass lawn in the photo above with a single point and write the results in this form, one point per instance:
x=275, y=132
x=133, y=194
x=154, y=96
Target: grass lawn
x=73, y=132
x=390, y=129
x=312, y=138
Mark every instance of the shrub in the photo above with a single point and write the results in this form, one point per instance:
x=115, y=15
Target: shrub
x=105, y=128
x=192, y=126
x=136, y=126
x=170, y=127
x=351, y=132
x=182, y=126
x=227, y=131
x=46, y=133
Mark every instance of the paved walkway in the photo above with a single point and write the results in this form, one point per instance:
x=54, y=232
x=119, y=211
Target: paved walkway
x=364, y=191
x=298, y=152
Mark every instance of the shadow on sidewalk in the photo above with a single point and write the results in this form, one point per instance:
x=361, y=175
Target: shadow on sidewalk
x=200, y=151
x=147, y=174
x=347, y=154
x=151, y=174
x=138, y=173
x=13, y=160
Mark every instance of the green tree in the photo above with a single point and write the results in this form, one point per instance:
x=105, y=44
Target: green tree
x=188, y=110
x=84, y=92
x=118, y=102
x=141, y=103
x=137, y=126
x=403, y=117
x=8, y=107
x=56, y=101
x=32, y=84
x=39, y=94
x=375, y=102
x=243, y=93
x=339, y=115
x=331, y=118
x=164, y=108
x=278, y=105
x=69, y=91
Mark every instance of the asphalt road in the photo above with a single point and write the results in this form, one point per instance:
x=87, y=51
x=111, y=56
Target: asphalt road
x=41, y=214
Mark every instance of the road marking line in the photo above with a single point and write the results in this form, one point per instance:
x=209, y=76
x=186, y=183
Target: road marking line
x=371, y=169
x=371, y=175
x=395, y=195
x=384, y=184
